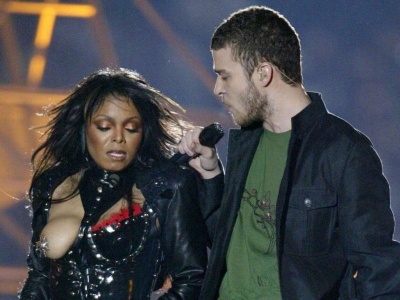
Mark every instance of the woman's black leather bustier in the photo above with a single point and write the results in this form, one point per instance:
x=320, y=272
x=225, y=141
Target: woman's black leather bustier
x=116, y=262
x=127, y=259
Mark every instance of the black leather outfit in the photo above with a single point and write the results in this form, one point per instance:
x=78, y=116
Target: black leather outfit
x=131, y=258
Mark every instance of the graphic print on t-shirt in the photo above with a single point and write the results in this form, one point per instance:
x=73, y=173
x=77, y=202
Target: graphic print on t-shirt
x=264, y=213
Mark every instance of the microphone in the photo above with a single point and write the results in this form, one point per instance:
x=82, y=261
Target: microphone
x=208, y=137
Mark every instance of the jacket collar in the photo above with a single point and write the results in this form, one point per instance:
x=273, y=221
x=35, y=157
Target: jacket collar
x=301, y=123
x=304, y=120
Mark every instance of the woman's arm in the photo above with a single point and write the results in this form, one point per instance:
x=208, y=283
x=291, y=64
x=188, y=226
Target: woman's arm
x=184, y=240
x=36, y=286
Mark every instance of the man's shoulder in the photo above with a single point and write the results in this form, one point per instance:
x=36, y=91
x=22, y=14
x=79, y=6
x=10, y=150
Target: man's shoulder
x=342, y=128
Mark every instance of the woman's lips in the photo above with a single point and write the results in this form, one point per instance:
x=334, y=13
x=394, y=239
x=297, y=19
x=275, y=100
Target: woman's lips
x=117, y=155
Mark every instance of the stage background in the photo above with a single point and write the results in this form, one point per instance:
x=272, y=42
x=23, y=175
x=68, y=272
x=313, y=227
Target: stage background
x=351, y=54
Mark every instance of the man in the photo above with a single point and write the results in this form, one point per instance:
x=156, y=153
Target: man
x=304, y=209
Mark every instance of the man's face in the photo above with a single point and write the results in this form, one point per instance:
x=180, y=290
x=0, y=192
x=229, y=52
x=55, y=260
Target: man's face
x=239, y=94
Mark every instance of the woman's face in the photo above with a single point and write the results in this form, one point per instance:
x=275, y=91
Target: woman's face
x=114, y=134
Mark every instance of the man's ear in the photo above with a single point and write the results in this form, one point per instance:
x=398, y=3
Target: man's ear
x=264, y=70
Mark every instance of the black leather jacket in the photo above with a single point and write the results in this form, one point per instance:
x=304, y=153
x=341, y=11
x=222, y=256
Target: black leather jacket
x=333, y=212
x=130, y=259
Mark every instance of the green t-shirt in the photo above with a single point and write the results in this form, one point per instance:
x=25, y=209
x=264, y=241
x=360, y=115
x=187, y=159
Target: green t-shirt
x=252, y=264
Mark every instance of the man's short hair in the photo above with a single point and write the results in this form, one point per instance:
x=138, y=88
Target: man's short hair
x=257, y=34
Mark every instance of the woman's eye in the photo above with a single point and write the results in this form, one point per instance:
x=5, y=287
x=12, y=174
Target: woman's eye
x=103, y=128
x=132, y=130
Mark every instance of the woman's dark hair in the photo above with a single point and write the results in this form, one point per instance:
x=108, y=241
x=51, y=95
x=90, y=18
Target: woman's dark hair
x=257, y=34
x=162, y=120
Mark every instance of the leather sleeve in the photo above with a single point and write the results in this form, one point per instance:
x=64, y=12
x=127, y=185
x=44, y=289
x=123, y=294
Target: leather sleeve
x=367, y=225
x=210, y=201
x=184, y=239
x=36, y=286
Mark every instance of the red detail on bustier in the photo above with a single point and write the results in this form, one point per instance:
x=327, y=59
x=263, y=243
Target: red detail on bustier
x=117, y=217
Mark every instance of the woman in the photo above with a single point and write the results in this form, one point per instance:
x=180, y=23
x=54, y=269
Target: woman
x=112, y=216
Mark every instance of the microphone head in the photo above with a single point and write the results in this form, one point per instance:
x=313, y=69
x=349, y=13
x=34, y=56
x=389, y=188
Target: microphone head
x=208, y=137
x=211, y=134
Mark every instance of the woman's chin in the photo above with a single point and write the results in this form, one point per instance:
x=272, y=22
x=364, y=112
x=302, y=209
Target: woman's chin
x=114, y=167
